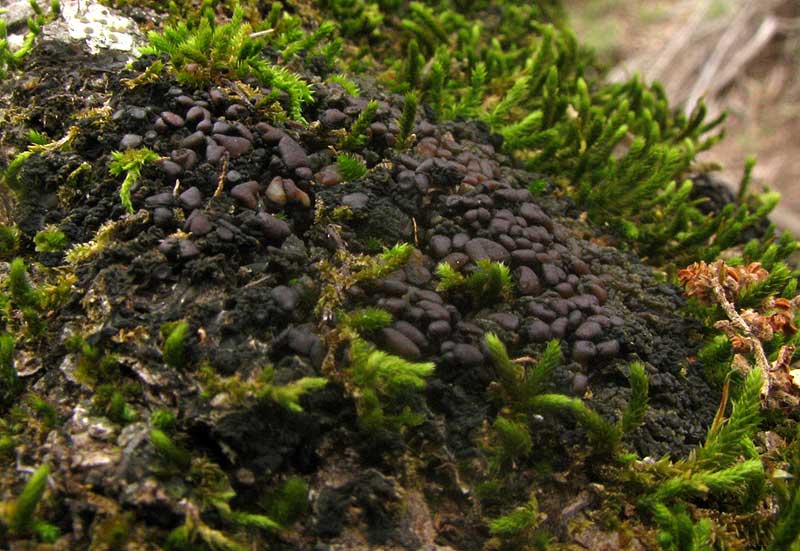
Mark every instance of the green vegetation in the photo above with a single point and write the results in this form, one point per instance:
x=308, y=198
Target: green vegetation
x=385, y=385
x=350, y=167
x=489, y=283
x=131, y=162
x=11, y=60
x=357, y=135
x=50, y=239
x=18, y=517
x=209, y=52
x=175, y=344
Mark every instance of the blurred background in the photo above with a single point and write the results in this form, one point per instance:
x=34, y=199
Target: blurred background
x=742, y=56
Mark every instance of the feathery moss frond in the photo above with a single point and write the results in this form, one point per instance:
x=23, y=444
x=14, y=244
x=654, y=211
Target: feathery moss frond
x=633, y=415
x=350, y=167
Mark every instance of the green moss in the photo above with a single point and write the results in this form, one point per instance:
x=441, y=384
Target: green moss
x=130, y=162
x=288, y=503
x=21, y=517
x=357, y=135
x=50, y=239
x=174, y=351
x=350, y=167
x=9, y=240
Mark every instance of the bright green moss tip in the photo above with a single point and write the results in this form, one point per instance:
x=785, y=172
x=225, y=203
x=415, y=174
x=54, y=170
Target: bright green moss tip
x=21, y=519
x=175, y=345
x=50, y=239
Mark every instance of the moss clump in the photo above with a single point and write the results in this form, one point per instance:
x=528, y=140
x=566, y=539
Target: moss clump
x=51, y=239
x=174, y=352
x=130, y=162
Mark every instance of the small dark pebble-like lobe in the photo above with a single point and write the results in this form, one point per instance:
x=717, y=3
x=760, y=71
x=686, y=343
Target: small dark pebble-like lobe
x=538, y=331
x=422, y=182
x=333, y=118
x=393, y=305
x=405, y=180
x=217, y=97
x=236, y=111
x=164, y=199
x=559, y=306
x=187, y=249
x=160, y=126
x=233, y=176
x=565, y=290
x=243, y=131
x=184, y=101
x=275, y=229
x=294, y=194
x=552, y=274
x=393, y=287
x=580, y=383
x=588, y=330
x=171, y=169
x=440, y=246
x=191, y=198
x=163, y=217
x=292, y=153
x=439, y=329
x=214, y=153
x=580, y=267
x=601, y=320
x=356, y=200
x=459, y=240
x=575, y=318
x=425, y=294
x=559, y=327
x=184, y=157
x=507, y=242
x=534, y=214
x=270, y=134
x=234, y=145
x=541, y=311
x=411, y=332
x=197, y=113
x=467, y=355
x=222, y=127
x=137, y=113
x=481, y=248
x=303, y=173
x=172, y=119
x=247, y=193
x=205, y=126
x=507, y=321
x=417, y=275
x=199, y=224
x=130, y=141
x=524, y=257
x=224, y=233
x=527, y=281
x=168, y=247
x=434, y=311
x=456, y=260
x=194, y=141
x=499, y=226
x=608, y=349
x=328, y=176
x=583, y=351
x=285, y=297
x=598, y=291
x=397, y=343
x=377, y=129
x=585, y=302
x=425, y=129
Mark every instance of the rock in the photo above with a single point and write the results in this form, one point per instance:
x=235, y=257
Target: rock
x=481, y=248
x=197, y=113
x=246, y=194
x=580, y=383
x=184, y=157
x=130, y=141
x=191, y=198
x=608, y=349
x=214, y=153
x=439, y=329
x=163, y=218
x=397, y=343
x=583, y=351
x=275, y=191
x=172, y=119
x=527, y=281
x=285, y=297
x=187, y=250
x=292, y=153
x=538, y=331
x=194, y=141
x=507, y=321
x=356, y=200
x=274, y=229
x=440, y=246
x=234, y=145
x=172, y=169
x=588, y=330
x=417, y=274
x=467, y=355
x=411, y=332
x=333, y=118
x=198, y=224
